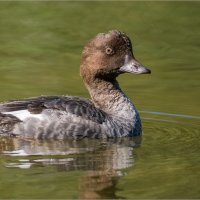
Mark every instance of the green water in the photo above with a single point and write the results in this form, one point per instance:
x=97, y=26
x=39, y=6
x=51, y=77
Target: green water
x=40, y=47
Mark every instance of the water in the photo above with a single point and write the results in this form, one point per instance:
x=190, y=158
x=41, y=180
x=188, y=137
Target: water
x=40, y=50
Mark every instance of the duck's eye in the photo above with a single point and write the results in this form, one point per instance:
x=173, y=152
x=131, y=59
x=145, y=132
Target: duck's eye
x=109, y=51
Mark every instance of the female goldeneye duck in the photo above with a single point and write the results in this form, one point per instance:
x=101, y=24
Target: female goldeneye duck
x=109, y=113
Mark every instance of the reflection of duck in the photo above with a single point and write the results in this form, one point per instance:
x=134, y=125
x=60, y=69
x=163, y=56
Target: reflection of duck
x=109, y=114
x=102, y=161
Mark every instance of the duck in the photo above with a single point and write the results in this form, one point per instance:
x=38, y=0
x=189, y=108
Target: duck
x=109, y=113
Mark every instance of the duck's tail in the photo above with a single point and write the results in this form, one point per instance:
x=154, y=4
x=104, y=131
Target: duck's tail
x=7, y=123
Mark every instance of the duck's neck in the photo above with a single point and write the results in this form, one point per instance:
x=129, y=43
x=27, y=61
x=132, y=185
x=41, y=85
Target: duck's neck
x=107, y=95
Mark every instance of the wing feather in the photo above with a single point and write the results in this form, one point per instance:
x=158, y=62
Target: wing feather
x=75, y=105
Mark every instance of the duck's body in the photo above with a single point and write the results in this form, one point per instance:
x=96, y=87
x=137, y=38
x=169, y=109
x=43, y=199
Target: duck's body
x=65, y=116
x=109, y=113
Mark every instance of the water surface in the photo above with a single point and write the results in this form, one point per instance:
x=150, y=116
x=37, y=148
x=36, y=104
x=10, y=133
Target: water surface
x=40, y=49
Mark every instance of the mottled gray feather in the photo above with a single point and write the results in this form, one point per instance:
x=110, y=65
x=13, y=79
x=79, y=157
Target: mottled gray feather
x=75, y=105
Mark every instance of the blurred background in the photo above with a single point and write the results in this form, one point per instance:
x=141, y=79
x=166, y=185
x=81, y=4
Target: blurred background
x=40, y=51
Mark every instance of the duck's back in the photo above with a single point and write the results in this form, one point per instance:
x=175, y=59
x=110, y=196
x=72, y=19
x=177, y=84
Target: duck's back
x=51, y=117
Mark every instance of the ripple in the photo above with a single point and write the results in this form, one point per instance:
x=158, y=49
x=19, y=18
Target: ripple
x=169, y=114
x=181, y=138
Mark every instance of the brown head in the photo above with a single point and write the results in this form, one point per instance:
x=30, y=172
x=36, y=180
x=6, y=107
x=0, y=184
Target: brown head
x=107, y=55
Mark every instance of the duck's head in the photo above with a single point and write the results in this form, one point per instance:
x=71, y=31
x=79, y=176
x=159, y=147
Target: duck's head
x=108, y=55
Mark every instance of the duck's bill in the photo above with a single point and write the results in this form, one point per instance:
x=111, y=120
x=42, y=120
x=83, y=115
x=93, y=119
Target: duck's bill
x=134, y=67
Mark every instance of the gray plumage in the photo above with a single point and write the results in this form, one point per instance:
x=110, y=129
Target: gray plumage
x=64, y=117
